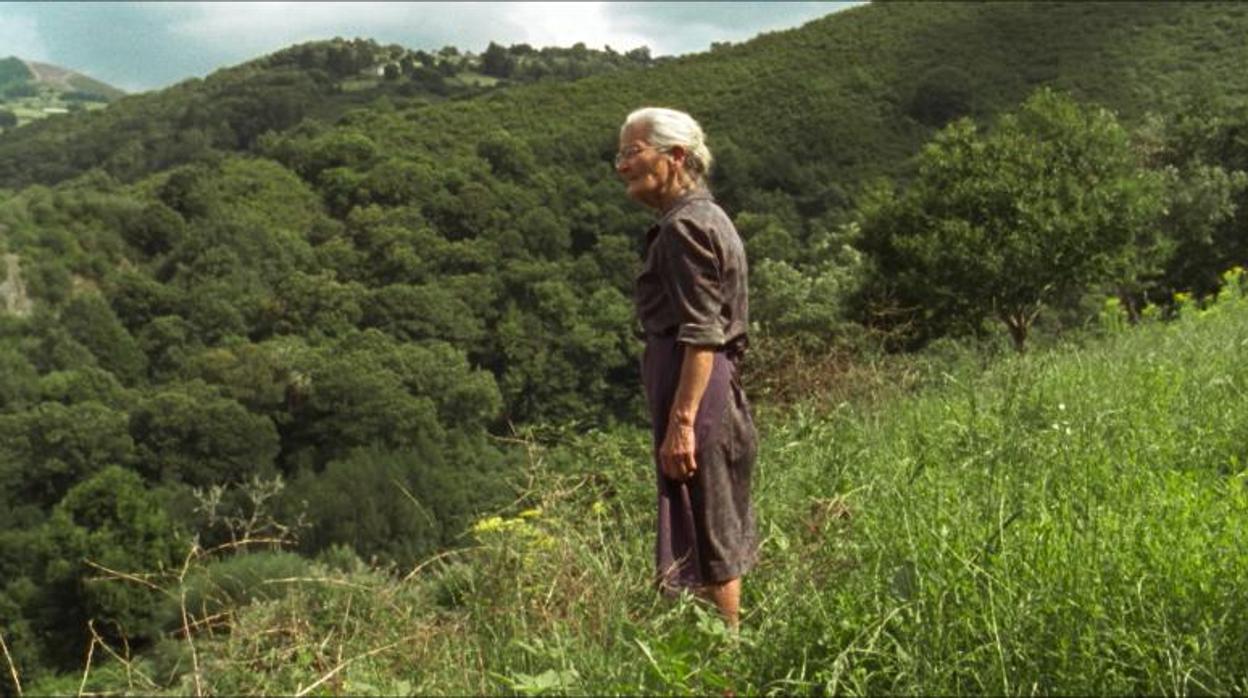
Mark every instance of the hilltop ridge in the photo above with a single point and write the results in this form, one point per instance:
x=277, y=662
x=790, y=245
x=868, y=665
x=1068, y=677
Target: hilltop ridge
x=30, y=90
x=227, y=110
x=67, y=80
x=847, y=96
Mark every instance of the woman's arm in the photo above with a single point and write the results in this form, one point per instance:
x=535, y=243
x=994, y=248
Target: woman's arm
x=676, y=453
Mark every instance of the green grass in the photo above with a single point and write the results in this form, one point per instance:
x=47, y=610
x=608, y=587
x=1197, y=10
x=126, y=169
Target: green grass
x=475, y=79
x=1069, y=522
x=30, y=109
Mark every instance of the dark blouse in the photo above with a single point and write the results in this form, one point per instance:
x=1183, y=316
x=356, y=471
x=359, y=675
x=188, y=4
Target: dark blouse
x=693, y=281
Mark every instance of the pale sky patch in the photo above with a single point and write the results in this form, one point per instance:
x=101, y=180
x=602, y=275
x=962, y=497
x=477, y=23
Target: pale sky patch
x=19, y=36
x=591, y=23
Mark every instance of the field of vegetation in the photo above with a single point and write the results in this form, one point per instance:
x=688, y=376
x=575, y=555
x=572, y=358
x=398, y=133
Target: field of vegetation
x=1066, y=522
x=234, y=310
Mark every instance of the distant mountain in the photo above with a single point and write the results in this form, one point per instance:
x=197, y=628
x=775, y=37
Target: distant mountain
x=66, y=80
x=30, y=90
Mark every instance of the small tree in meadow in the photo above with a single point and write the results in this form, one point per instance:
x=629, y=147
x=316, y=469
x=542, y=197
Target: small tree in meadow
x=998, y=223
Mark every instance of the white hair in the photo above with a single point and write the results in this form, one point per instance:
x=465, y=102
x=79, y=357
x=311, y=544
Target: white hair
x=668, y=128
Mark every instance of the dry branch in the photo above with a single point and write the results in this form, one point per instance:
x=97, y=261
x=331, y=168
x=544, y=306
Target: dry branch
x=114, y=574
x=125, y=661
x=12, y=667
x=86, y=671
x=186, y=630
x=209, y=621
x=343, y=665
x=244, y=542
x=318, y=580
x=435, y=558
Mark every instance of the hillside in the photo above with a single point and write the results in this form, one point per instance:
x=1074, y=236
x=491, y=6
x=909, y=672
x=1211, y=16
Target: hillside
x=874, y=81
x=31, y=91
x=67, y=80
x=227, y=111
x=1061, y=523
x=818, y=110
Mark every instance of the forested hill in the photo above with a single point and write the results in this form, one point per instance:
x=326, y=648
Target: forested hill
x=856, y=91
x=345, y=273
x=318, y=80
x=813, y=111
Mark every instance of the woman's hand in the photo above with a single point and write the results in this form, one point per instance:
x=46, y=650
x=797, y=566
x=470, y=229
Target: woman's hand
x=676, y=453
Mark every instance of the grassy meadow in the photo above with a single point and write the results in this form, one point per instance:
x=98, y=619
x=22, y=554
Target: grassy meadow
x=1071, y=521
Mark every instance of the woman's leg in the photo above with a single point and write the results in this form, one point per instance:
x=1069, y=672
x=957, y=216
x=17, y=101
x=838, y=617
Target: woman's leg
x=727, y=598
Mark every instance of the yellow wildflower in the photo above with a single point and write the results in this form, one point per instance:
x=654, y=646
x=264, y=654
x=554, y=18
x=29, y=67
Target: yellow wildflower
x=493, y=523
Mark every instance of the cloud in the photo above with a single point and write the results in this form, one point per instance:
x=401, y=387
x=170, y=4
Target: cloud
x=19, y=36
x=263, y=27
x=273, y=25
x=686, y=27
x=567, y=23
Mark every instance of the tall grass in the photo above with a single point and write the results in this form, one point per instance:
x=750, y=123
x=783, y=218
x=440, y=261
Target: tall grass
x=1071, y=522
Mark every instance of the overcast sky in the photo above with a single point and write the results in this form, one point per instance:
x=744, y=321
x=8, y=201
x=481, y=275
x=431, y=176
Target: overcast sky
x=146, y=45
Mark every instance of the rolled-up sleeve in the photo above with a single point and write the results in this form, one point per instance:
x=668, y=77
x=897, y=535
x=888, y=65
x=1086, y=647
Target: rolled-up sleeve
x=691, y=277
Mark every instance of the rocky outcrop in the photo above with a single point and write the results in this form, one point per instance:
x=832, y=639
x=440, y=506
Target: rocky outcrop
x=13, y=297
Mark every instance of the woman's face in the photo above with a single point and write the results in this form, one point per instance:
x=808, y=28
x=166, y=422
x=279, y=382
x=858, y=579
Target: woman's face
x=648, y=173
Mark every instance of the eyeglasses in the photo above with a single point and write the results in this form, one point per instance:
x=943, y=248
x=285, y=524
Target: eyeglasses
x=633, y=151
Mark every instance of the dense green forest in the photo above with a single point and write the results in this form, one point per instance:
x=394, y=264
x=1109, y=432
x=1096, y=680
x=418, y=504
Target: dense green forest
x=333, y=284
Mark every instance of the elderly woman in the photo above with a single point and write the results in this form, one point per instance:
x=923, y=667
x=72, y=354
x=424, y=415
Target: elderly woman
x=691, y=301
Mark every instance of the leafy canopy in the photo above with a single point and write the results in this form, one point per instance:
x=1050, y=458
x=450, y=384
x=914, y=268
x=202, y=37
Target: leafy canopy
x=997, y=223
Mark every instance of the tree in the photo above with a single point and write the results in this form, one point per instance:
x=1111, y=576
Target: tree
x=1200, y=223
x=997, y=224
x=83, y=384
x=112, y=520
x=497, y=61
x=137, y=298
x=395, y=526
x=414, y=313
x=639, y=55
x=7, y=119
x=395, y=182
x=349, y=398
x=943, y=94
x=167, y=341
x=316, y=306
x=190, y=433
x=508, y=156
x=1203, y=153
x=806, y=304
x=48, y=449
x=19, y=381
x=91, y=321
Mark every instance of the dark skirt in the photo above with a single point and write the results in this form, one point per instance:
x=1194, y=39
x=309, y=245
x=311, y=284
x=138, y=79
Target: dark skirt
x=706, y=530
